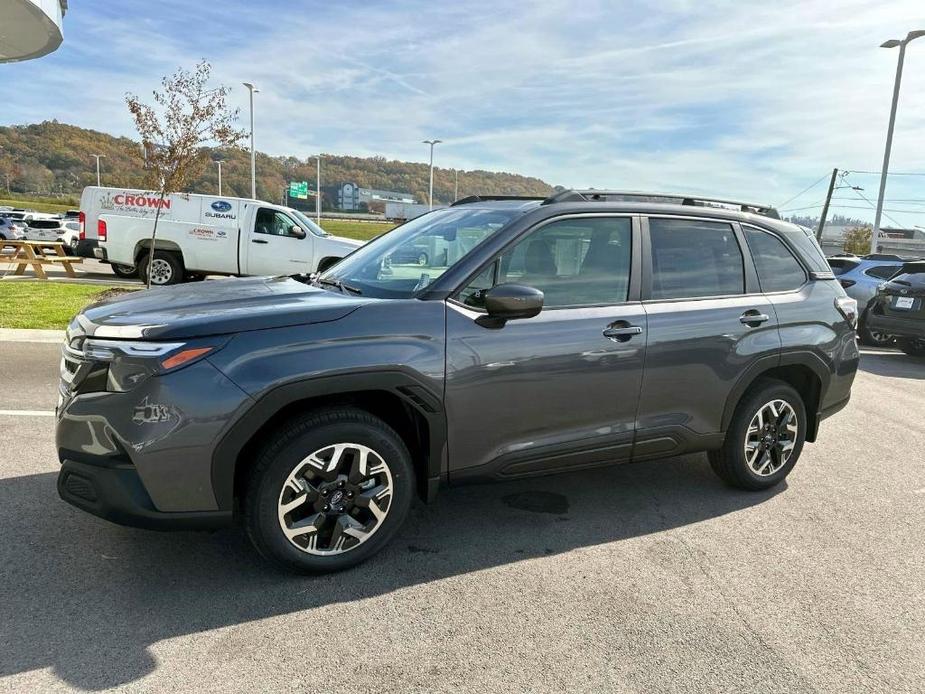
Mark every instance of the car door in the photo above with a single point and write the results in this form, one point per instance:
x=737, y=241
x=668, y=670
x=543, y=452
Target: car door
x=557, y=391
x=708, y=323
x=271, y=247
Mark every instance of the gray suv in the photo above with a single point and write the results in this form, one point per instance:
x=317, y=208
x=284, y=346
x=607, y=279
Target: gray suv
x=547, y=335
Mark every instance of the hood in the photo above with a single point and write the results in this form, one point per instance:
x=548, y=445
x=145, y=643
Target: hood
x=216, y=307
x=352, y=243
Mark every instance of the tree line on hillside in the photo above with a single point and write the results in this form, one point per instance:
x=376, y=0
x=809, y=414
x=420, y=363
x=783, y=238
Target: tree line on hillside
x=53, y=158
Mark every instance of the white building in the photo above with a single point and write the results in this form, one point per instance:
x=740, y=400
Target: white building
x=30, y=28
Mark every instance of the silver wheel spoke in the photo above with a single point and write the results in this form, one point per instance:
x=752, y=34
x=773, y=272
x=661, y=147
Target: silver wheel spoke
x=771, y=437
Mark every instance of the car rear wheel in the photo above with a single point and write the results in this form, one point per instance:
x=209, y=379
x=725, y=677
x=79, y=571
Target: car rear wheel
x=329, y=492
x=873, y=338
x=166, y=268
x=764, y=439
x=912, y=347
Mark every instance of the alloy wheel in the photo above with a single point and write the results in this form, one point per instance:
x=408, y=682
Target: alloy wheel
x=771, y=437
x=335, y=499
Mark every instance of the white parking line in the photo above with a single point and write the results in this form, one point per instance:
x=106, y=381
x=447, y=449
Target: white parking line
x=28, y=413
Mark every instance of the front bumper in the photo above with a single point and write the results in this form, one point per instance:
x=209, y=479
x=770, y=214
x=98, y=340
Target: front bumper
x=117, y=494
x=899, y=327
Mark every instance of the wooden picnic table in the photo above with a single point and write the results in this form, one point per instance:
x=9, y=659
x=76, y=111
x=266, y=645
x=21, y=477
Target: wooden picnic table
x=34, y=253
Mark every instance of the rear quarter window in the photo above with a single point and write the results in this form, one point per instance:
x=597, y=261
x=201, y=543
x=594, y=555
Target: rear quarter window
x=882, y=272
x=778, y=269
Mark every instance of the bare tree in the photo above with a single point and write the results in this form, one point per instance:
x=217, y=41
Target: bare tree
x=186, y=118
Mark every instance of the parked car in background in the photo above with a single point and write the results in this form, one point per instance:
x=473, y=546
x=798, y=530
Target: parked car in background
x=899, y=308
x=860, y=276
x=564, y=333
x=10, y=230
x=46, y=230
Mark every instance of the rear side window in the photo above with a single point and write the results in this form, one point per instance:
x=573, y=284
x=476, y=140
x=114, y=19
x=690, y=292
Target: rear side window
x=778, y=270
x=882, y=272
x=692, y=258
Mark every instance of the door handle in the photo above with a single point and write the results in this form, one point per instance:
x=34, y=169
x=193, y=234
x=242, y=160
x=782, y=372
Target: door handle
x=753, y=318
x=621, y=334
x=259, y=241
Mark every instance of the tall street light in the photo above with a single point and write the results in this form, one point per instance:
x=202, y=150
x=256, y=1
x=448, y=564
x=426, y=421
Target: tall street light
x=431, y=143
x=892, y=43
x=251, y=88
x=218, y=163
x=318, y=191
x=98, y=157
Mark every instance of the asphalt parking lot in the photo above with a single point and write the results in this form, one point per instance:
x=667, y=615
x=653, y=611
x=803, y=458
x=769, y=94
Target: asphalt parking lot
x=637, y=578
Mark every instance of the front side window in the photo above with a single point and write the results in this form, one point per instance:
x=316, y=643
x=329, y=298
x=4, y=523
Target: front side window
x=692, y=258
x=273, y=222
x=778, y=270
x=406, y=260
x=574, y=262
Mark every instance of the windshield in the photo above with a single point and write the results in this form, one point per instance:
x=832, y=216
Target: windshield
x=307, y=223
x=402, y=262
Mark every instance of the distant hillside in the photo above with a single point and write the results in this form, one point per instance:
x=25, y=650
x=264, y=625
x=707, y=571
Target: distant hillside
x=52, y=157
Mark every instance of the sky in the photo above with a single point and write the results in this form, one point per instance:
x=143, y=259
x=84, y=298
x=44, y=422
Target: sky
x=753, y=100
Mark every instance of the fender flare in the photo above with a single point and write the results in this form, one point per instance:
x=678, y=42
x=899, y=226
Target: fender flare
x=404, y=384
x=806, y=358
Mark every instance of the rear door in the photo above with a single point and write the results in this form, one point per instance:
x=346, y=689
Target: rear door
x=708, y=322
x=271, y=249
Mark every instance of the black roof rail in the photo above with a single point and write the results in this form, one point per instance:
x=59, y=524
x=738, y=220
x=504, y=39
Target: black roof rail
x=670, y=198
x=469, y=199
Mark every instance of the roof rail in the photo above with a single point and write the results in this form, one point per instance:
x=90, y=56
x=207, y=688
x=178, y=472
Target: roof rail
x=469, y=199
x=670, y=198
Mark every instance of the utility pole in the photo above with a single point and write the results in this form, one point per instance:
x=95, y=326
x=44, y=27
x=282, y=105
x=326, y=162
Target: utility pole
x=318, y=191
x=431, y=194
x=825, y=208
x=892, y=43
x=218, y=163
x=98, y=157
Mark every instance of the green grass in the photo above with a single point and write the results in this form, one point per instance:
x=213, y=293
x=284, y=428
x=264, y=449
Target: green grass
x=354, y=229
x=43, y=304
x=36, y=205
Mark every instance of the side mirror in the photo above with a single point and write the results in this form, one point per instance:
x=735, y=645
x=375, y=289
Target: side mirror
x=297, y=231
x=511, y=301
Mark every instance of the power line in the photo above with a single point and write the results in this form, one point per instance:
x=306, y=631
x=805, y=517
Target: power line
x=807, y=189
x=863, y=197
x=891, y=173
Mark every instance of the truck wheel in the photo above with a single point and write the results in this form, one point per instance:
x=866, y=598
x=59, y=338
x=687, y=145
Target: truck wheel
x=166, y=268
x=124, y=271
x=325, y=263
x=911, y=346
x=764, y=438
x=329, y=491
x=422, y=259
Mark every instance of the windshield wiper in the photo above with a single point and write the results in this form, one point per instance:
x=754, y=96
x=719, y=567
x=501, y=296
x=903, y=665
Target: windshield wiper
x=340, y=285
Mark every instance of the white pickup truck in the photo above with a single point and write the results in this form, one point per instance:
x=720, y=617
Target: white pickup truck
x=203, y=235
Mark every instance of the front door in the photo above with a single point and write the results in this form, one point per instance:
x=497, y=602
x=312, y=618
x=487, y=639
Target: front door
x=557, y=391
x=273, y=250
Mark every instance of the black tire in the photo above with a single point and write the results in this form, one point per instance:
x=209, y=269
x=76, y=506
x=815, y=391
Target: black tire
x=124, y=271
x=729, y=462
x=873, y=338
x=423, y=258
x=326, y=263
x=170, y=272
x=287, y=449
x=911, y=346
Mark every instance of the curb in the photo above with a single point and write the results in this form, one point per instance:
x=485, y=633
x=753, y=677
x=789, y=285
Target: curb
x=28, y=335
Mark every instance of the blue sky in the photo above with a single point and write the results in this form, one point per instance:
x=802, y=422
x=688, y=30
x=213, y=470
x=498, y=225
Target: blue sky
x=750, y=98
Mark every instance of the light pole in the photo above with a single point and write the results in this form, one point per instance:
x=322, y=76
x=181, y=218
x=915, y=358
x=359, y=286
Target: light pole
x=318, y=191
x=218, y=163
x=98, y=157
x=892, y=43
x=431, y=143
x=251, y=88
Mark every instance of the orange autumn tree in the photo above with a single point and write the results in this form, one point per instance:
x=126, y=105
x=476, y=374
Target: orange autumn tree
x=186, y=118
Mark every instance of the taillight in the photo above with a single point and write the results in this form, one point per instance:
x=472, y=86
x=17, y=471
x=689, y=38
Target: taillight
x=101, y=230
x=846, y=283
x=82, y=221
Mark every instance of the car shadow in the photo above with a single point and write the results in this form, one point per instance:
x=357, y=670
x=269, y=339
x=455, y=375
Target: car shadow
x=892, y=363
x=87, y=598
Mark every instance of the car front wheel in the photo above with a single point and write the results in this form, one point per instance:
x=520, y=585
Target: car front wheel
x=764, y=439
x=329, y=492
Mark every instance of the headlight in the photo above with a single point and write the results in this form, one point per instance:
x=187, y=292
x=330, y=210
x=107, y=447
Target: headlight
x=130, y=363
